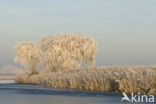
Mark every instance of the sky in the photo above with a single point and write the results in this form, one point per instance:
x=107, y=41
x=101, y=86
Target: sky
x=124, y=29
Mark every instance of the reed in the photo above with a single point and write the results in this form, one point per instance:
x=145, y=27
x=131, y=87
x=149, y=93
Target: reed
x=137, y=79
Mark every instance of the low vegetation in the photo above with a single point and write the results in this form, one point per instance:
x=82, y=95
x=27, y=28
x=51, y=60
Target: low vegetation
x=137, y=79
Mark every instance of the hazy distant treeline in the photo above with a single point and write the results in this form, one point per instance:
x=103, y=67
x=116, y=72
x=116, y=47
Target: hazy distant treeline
x=10, y=70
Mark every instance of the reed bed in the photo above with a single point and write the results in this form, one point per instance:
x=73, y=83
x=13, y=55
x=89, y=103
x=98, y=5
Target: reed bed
x=136, y=79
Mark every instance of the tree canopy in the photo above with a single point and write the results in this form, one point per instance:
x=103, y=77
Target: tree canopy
x=59, y=52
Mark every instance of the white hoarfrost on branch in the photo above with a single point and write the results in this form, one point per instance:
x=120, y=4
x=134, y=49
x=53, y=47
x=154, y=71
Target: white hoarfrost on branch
x=28, y=54
x=67, y=51
x=60, y=52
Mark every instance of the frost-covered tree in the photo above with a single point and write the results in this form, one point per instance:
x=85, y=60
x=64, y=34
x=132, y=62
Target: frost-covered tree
x=28, y=54
x=67, y=51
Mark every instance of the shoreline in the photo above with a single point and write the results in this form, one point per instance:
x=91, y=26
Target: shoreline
x=136, y=79
x=70, y=89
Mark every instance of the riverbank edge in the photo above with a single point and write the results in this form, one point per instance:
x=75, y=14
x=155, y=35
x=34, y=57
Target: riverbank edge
x=118, y=79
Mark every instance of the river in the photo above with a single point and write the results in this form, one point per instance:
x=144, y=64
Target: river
x=12, y=93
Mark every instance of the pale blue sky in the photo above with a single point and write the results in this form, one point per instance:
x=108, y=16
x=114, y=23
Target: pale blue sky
x=124, y=29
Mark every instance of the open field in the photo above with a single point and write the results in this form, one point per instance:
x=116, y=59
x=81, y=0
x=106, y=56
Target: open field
x=137, y=79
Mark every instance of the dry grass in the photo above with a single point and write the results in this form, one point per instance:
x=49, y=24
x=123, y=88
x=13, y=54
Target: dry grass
x=137, y=79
